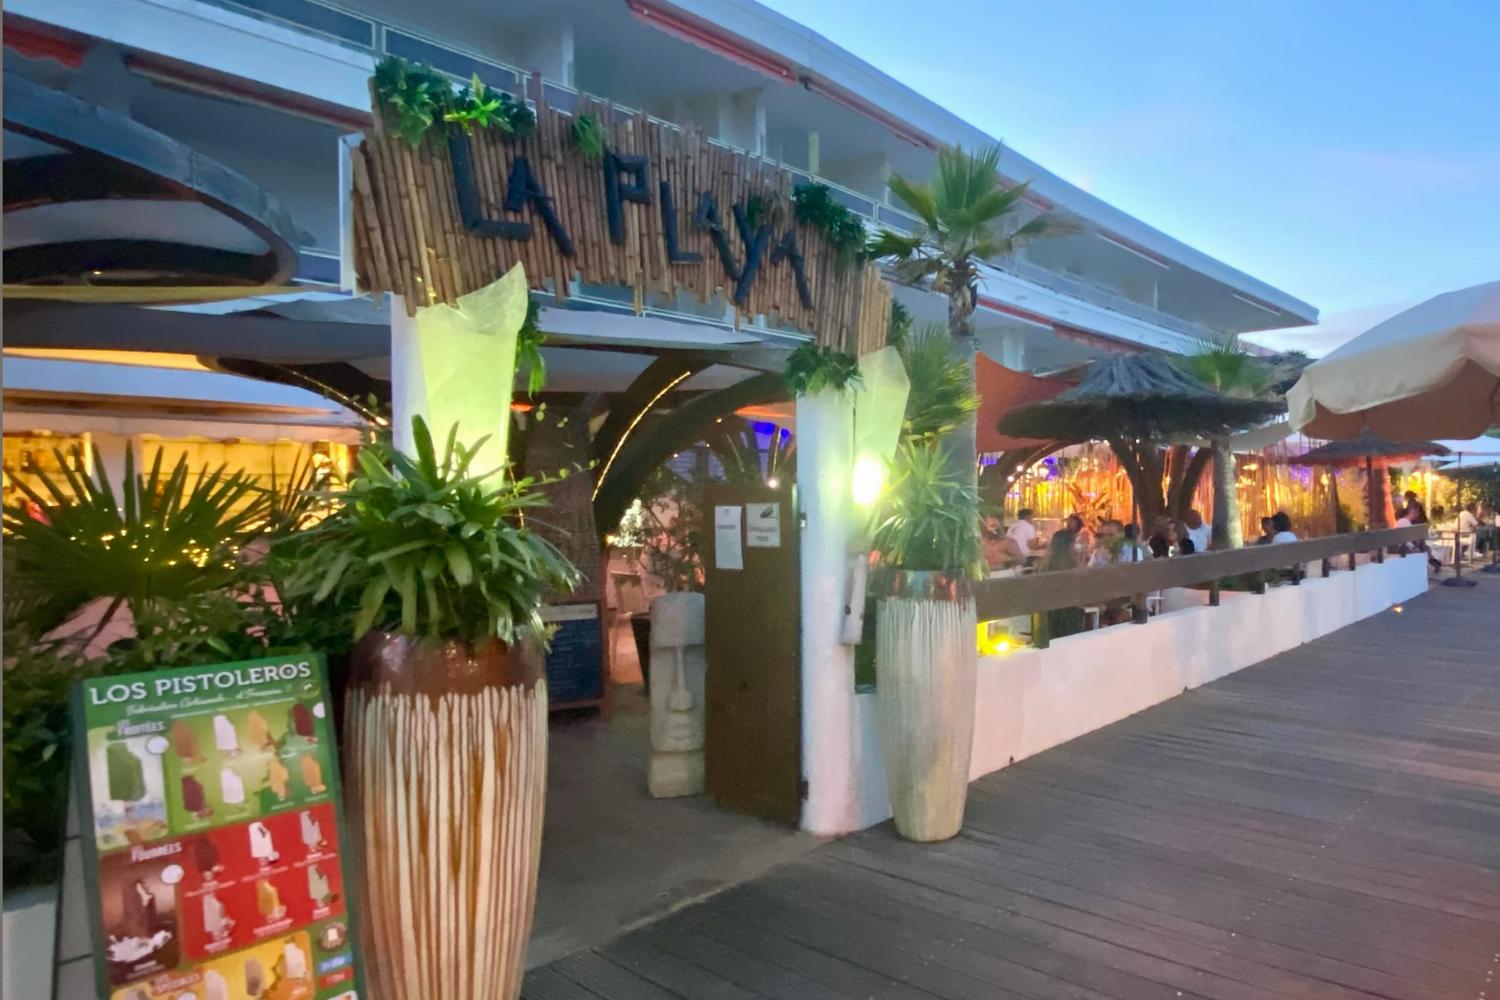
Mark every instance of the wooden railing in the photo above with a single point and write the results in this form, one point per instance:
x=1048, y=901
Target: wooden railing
x=1040, y=592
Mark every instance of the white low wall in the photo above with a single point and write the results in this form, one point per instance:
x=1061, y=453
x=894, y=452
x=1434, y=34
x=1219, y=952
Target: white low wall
x=1033, y=699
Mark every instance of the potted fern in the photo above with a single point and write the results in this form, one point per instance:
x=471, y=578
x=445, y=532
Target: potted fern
x=445, y=741
x=927, y=538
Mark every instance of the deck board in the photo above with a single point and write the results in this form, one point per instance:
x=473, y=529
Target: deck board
x=1322, y=826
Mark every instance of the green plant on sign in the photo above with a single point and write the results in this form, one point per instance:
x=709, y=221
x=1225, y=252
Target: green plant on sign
x=814, y=205
x=477, y=104
x=588, y=137
x=412, y=97
x=929, y=518
x=810, y=369
x=430, y=546
x=165, y=538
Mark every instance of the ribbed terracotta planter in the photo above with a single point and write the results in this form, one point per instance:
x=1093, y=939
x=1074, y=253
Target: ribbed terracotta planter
x=926, y=658
x=445, y=761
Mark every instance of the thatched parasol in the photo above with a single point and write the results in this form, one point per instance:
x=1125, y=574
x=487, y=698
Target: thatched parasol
x=1366, y=450
x=1137, y=403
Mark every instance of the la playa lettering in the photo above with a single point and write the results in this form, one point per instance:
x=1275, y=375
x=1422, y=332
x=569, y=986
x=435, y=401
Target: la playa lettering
x=627, y=178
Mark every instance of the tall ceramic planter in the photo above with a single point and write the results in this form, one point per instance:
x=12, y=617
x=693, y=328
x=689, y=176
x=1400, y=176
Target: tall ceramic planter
x=926, y=658
x=446, y=767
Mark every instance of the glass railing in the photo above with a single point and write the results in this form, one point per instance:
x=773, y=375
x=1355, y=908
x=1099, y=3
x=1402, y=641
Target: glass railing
x=357, y=30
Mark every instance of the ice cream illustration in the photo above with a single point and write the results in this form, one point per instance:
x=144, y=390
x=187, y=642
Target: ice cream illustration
x=268, y=900
x=312, y=832
x=258, y=730
x=127, y=775
x=312, y=774
x=231, y=787
x=262, y=848
x=277, y=777
x=302, y=722
x=225, y=738
x=216, y=921
x=317, y=886
x=193, y=798
x=214, y=986
x=185, y=742
x=293, y=961
x=206, y=854
x=255, y=978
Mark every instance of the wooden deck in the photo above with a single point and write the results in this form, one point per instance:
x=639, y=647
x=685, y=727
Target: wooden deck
x=1324, y=825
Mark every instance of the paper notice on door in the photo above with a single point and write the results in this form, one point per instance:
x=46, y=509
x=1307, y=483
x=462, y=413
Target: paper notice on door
x=763, y=525
x=727, y=551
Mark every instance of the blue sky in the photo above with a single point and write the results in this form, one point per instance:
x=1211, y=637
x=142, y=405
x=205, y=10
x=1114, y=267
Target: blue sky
x=1347, y=152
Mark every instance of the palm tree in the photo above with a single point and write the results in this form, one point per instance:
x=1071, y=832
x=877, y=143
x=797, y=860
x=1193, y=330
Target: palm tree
x=967, y=216
x=1231, y=371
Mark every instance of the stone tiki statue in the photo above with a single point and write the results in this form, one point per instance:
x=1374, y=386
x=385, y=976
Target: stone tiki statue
x=677, y=708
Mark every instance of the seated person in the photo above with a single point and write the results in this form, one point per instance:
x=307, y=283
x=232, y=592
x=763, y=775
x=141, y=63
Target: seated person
x=1131, y=550
x=1267, y=531
x=1281, y=524
x=1108, y=544
x=1168, y=540
x=1195, y=531
x=1060, y=556
x=1023, y=533
x=1000, y=550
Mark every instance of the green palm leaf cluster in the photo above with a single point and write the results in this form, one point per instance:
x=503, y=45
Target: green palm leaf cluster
x=929, y=519
x=414, y=98
x=1229, y=369
x=164, y=539
x=963, y=212
x=427, y=546
x=942, y=394
x=810, y=369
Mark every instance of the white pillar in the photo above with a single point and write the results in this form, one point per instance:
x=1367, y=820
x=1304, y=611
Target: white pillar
x=1013, y=351
x=549, y=50
x=830, y=724
x=407, y=395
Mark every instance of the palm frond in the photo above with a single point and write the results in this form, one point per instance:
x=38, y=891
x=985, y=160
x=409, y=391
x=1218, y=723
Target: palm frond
x=916, y=197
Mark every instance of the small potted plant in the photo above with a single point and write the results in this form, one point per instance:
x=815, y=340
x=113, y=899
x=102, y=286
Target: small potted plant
x=445, y=738
x=928, y=542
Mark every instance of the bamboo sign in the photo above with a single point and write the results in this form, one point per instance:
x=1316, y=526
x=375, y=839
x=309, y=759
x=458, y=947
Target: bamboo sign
x=663, y=211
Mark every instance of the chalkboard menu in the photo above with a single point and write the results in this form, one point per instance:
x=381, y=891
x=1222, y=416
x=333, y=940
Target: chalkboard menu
x=212, y=834
x=575, y=663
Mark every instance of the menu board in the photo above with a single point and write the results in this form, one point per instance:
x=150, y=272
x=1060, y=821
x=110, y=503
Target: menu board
x=212, y=834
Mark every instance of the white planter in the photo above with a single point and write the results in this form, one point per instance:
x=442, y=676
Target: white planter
x=926, y=658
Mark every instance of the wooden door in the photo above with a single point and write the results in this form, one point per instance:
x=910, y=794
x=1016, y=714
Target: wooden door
x=753, y=690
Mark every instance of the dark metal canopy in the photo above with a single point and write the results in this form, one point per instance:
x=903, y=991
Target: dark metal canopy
x=1136, y=396
x=1368, y=446
x=93, y=197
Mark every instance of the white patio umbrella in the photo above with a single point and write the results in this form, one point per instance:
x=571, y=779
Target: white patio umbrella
x=1432, y=371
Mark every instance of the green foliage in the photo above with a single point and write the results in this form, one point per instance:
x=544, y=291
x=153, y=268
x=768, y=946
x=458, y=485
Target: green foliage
x=666, y=524
x=810, y=369
x=428, y=546
x=964, y=214
x=588, y=137
x=412, y=97
x=163, y=540
x=814, y=205
x=1228, y=368
x=942, y=392
x=757, y=210
x=477, y=104
x=900, y=325
x=415, y=97
x=929, y=518
x=529, y=341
